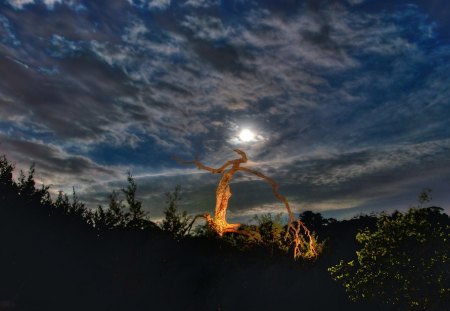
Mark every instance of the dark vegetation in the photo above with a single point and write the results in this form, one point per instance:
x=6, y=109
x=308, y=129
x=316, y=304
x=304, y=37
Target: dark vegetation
x=59, y=255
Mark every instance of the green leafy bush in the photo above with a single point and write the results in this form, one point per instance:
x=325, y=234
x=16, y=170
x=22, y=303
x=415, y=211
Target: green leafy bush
x=404, y=262
x=272, y=232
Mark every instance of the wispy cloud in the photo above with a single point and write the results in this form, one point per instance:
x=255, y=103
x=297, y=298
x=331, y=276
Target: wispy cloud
x=18, y=4
x=202, y=3
x=205, y=28
x=50, y=4
x=151, y=4
x=53, y=165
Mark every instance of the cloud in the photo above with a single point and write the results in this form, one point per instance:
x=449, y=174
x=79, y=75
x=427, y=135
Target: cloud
x=205, y=27
x=169, y=62
x=202, y=3
x=50, y=4
x=355, y=2
x=79, y=92
x=302, y=39
x=336, y=181
x=7, y=33
x=159, y=4
x=19, y=4
x=54, y=165
x=235, y=106
x=151, y=4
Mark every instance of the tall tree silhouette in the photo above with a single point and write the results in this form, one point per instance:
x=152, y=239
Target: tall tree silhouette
x=137, y=214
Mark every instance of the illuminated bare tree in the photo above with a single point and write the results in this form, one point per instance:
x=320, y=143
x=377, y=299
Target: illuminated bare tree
x=297, y=232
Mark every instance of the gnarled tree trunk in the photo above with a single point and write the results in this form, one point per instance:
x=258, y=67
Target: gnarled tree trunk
x=296, y=231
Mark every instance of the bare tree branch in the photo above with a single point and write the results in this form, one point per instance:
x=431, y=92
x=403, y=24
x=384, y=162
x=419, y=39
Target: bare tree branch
x=302, y=247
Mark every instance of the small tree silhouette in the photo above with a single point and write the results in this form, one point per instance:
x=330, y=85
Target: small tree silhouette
x=136, y=214
x=116, y=212
x=6, y=176
x=26, y=184
x=176, y=223
x=425, y=196
x=115, y=216
x=62, y=203
x=303, y=240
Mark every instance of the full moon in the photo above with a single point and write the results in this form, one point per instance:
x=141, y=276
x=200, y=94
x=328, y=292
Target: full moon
x=246, y=135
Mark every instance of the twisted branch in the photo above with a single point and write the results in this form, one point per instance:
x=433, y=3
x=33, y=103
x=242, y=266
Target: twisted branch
x=223, y=193
x=295, y=225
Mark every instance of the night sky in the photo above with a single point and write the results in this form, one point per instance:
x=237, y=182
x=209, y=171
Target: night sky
x=346, y=103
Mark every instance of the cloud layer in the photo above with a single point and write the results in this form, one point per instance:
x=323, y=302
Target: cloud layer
x=349, y=102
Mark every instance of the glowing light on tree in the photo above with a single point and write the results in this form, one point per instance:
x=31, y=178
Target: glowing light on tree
x=304, y=242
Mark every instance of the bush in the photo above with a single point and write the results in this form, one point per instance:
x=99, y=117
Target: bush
x=272, y=233
x=404, y=262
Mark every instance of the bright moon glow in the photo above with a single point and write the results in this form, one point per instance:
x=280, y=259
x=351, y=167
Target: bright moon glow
x=246, y=135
